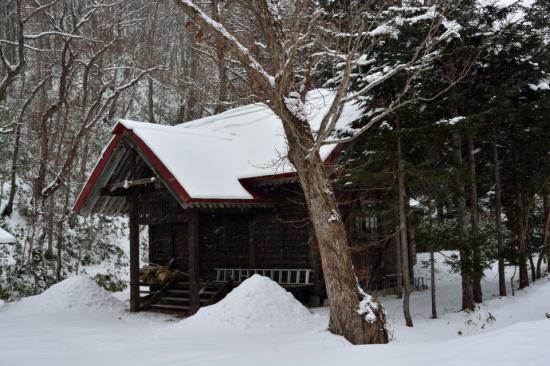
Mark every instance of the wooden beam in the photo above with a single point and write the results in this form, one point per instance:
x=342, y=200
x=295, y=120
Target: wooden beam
x=134, y=246
x=111, y=166
x=251, y=241
x=193, y=257
x=134, y=256
x=130, y=183
x=164, y=220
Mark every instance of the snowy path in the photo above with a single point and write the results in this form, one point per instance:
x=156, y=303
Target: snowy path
x=519, y=334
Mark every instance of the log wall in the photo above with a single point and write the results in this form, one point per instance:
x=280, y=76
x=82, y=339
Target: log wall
x=275, y=237
x=167, y=241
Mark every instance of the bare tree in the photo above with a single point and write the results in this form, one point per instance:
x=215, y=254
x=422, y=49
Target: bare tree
x=277, y=76
x=11, y=69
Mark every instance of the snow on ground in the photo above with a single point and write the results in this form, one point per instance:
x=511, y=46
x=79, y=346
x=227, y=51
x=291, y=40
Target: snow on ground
x=5, y=237
x=75, y=294
x=258, y=303
x=273, y=329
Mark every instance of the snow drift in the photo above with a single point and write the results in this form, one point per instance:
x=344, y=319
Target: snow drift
x=257, y=303
x=5, y=237
x=77, y=293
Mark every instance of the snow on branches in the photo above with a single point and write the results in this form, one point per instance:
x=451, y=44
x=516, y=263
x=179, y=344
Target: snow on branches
x=295, y=105
x=367, y=306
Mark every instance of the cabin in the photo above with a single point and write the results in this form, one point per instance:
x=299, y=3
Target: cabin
x=220, y=203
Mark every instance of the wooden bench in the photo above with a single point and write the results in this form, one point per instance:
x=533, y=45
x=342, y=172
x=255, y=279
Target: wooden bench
x=284, y=277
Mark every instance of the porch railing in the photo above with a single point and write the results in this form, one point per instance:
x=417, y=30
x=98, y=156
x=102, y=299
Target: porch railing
x=287, y=277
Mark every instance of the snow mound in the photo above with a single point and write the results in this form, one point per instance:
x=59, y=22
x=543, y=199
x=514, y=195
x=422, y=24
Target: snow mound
x=5, y=237
x=257, y=303
x=73, y=294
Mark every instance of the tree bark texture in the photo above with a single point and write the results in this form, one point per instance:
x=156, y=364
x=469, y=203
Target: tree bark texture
x=477, y=270
x=340, y=280
x=405, y=272
x=465, y=252
x=522, y=240
x=498, y=223
x=432, y=285
x=545, y=244
x=13, y=172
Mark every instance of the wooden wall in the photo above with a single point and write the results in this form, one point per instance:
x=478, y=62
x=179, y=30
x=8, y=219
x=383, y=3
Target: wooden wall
x=167, y=241
x=252, y=238
x=276, y=237
x=281, y=239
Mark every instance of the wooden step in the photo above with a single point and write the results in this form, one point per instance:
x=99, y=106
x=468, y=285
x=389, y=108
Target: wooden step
x=176, y=296
x=208, y=292
x=171, y=307
x=170, y=298
x=183, y=292
x=182, y=298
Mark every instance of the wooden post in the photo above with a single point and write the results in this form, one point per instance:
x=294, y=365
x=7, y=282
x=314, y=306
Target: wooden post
x=251, y=241
x=134, y=256
x=134, y=244
x=193, y=237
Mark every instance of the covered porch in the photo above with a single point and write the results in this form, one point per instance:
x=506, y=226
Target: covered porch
x=212, y=244
x=211, y=250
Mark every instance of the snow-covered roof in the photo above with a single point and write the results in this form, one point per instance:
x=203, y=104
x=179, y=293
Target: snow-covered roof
x=209, y=160
x=209, y=156
x=5, y=237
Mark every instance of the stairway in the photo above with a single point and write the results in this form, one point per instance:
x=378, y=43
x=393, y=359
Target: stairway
x=175, y=296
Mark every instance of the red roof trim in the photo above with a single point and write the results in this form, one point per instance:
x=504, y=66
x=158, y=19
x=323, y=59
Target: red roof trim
x=168, y=177
x=119, y=130
x=83, y=196
x=264, y=178
x=159, y=165
x=331, y=158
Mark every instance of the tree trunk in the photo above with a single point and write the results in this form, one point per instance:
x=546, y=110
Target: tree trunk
x=151, y=100
x=533, y=269
x=316, y=275
x=432, y=284
x=353, y=314
x=220, y=61
x=60, y=234
x=406, y=280
x=13, y=172
x=498, y=223
x=522, y=243
x=50, y=227
x=545, y=244
x=474, y=218
x=465, y=255
x=397, y=240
